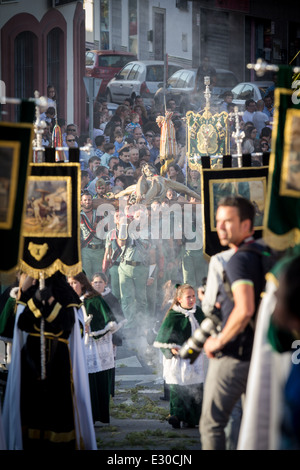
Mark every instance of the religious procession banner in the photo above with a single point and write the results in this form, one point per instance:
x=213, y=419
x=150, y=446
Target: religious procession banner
x=207, y=135
x=51, y=225
x=248, y=182
x=15, y=156
x=282, y=213
x=168, y=145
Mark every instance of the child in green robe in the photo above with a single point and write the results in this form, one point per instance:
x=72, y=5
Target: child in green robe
x=185, y=379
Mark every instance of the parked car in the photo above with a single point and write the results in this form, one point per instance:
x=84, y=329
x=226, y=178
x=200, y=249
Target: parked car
x=180, y=86
x=226, y=80
x=112, y=107
x=250, y=90
x=105, y=64
x=138, y=78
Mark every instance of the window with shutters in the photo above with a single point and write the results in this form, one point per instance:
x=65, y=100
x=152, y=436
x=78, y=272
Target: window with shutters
x=25, y=64
x=54, y=44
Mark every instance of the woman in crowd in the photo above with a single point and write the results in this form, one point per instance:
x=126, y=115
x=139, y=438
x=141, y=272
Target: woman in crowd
x=99, y=327
x=143, y=117
x=115, y=123
x=52, y=97
x=175, y=173
x=193, y=180
x=129, y=171
x=264, y=145
x=172, y=196
x=266, y=133
x=249, y=143
x=100, y=284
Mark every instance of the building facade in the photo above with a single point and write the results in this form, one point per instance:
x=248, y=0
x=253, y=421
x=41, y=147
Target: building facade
x=42, y=46
x=231, y=32
x=44, y=41
x=148, y=28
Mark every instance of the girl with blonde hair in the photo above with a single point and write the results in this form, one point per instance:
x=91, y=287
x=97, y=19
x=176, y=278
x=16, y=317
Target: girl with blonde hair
x=185, y=380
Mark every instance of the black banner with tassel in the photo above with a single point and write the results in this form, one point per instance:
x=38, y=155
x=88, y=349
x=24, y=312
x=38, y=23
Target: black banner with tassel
x=51, y=223
x=247, y=181
x=15, y=156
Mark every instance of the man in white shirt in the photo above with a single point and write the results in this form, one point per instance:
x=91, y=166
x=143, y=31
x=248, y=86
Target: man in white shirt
x=260, y=119
x=250, y=106
x=134, y=157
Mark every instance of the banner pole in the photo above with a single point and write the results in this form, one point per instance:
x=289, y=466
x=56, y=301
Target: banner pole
x=43, y=366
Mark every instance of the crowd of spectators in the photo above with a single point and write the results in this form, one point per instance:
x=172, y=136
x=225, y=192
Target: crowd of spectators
x=125, y=140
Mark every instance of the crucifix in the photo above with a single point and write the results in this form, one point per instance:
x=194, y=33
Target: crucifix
x=238, y=135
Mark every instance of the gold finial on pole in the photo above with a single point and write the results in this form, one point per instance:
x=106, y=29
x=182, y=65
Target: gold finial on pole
x=39, y=126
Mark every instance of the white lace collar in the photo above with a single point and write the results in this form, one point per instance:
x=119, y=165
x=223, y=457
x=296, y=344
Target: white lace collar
x=189, y=314
x=14, y=292
x=106, y=291
x=186, y=312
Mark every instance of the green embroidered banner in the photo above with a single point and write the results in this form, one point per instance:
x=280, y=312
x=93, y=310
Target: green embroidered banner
x=207, y=134
x=282, y=212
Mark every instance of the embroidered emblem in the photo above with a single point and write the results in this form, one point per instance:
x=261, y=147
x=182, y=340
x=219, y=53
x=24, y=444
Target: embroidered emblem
x=38, y=251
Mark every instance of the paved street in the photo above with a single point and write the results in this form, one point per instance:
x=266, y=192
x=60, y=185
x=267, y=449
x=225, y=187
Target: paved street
x=138, y=414
x=134, y=367
x=2, y=352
